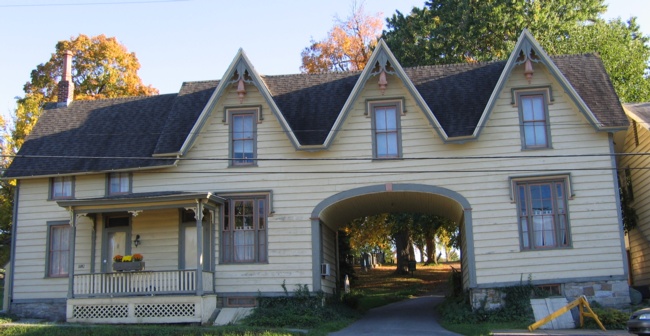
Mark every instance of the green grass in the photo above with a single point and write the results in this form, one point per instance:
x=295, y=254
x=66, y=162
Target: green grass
x=136, y=330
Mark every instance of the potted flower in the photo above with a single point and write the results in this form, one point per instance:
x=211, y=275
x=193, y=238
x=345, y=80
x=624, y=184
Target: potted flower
x=128, y=262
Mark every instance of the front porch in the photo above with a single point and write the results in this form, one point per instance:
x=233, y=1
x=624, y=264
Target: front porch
x=175, y=234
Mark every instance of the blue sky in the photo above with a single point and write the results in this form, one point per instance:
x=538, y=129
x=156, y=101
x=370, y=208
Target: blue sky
x=189, y=40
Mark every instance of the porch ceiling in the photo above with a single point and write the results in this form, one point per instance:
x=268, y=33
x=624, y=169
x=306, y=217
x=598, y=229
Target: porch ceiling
x=140, y=201
x=342, y=212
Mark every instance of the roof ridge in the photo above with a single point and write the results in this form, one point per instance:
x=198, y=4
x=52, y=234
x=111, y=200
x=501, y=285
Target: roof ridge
x=200, y=81
x=124, y=98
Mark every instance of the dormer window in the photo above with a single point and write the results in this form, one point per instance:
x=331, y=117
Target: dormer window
x=119, y=183
x=386, y=129
x=243, y=137
x=533, y=115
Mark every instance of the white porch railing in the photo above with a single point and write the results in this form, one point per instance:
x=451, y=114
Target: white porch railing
x=140, y=283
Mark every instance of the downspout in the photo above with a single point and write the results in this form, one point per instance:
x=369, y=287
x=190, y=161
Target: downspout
x=14, y=229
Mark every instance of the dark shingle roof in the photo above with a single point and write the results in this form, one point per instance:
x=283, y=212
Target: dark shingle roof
x=457, y=94
x=94, y=135
x=587, y=75
x=187, y=107
x=134, y=129
x=311, y=102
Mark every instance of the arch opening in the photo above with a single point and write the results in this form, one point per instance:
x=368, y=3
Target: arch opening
x=338, y=210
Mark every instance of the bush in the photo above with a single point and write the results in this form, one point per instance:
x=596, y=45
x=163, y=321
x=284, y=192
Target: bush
x=612, y=319
x=300, y=310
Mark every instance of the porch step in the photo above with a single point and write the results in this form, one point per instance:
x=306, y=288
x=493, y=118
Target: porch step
x=231, y=315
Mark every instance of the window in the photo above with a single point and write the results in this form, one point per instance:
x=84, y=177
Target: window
x=119, y=183
x=244, y=230
x=534, y=120
x=243, y=137
x=58, y=249
x=62, y=187
x=542, y=207
x=386, y=139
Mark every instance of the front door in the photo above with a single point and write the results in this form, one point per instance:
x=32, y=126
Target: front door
x=117, y=239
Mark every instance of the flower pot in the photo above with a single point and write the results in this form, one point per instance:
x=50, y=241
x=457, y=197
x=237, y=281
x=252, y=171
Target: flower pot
x=128, y=266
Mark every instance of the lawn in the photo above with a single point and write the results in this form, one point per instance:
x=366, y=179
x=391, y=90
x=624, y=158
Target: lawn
x=380, y=286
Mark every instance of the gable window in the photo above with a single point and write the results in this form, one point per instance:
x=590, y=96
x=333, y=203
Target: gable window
x=62, y=187
x=58, y=249
x=534, y=120
x=244, y=229
x=542, y=208
x=386, y=130
x=243, y=137
x=119, y=183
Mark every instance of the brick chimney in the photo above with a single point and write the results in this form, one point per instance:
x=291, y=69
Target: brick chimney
x=66, y=86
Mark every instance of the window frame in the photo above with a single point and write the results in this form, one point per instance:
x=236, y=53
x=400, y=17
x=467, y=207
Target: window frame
x=51, y=225
x=232, y=113
x=121, y=175
x=61, y=179
x=544, y=93
x=227, y=229
x=372, y=108
x=553, y=181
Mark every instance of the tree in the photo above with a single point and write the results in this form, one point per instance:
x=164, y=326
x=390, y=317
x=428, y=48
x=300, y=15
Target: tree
x=455, y=31
x=101, y=68
x=348, y=45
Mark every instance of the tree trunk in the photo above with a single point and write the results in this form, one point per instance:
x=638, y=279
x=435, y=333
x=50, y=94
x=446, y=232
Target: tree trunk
x=402, y=246
x=431, y=250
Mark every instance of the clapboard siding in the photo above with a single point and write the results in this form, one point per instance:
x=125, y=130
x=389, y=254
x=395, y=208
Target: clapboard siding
x=299, y=186
x=639, y=242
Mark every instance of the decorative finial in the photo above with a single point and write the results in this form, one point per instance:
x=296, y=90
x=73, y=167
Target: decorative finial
x=241, y=90
x=383, y=82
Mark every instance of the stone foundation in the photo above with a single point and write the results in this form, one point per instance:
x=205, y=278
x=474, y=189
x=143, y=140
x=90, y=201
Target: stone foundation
x=615, y=294
x=51, y=310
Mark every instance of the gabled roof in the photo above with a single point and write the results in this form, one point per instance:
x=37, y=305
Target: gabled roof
x=149, y=132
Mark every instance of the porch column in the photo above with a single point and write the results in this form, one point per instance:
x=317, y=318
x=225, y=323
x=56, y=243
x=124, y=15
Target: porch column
x=71, y=246
x=199, y=247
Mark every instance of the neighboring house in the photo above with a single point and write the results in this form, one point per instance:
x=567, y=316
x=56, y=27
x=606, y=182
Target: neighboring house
x=635, y=179
x=232, y=188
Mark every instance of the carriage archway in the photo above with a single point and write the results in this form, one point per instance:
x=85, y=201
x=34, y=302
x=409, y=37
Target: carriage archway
x=339, y=209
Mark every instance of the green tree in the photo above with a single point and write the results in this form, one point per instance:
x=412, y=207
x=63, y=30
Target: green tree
x=454, y=31
x=101, y=68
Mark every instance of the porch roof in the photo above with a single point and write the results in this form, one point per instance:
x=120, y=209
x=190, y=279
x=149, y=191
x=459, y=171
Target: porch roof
x=141, y=201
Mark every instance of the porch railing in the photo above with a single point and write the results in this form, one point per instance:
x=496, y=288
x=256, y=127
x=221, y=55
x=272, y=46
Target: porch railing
x=140, y=283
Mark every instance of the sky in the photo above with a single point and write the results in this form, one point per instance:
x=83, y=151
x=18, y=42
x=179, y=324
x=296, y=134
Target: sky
x=190, y=40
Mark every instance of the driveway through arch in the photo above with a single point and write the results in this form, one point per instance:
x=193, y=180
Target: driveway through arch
x=339, y=209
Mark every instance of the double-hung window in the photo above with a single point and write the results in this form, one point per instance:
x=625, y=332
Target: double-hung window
x=58, y=249
x=534, y=120
x=386, y=130
x=62, y=187
x=243, y=142
x=119, y=183
x=542, y=208
x=244, y=230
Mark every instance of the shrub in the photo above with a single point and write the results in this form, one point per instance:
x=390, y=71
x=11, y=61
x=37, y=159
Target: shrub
x=612, y=319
